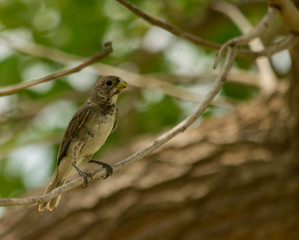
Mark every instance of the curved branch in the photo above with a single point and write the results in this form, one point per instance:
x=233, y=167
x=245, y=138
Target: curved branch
x=181, y=127
x=18, y=87
x=133, y=79
x=198, y=41
x=170, y=28
x=268, y=80
x=254, y=33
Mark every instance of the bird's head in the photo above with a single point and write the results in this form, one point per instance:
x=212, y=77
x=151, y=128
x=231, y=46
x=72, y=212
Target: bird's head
x=107, y=89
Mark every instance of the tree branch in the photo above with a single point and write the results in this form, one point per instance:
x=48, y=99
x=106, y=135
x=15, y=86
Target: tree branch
x=267, y=20
x=155, y=82
x=201, y=42
x=18, y=87
x=268, y=80
x=170, y=28
x=181, y=127
x=104, y=69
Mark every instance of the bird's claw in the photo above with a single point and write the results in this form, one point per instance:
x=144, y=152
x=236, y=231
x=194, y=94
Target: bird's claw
x=85, y=175
x=108, y=168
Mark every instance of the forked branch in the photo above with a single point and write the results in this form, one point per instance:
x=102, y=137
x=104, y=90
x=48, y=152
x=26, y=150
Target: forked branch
x=253, y=34
x=283, y=44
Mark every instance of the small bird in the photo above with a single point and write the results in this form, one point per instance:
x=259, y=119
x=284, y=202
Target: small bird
x=86, y=133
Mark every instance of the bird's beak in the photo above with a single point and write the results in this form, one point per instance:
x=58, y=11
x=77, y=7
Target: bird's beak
x=121, y=85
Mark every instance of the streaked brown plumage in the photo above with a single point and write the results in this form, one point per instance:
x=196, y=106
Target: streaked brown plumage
x=86, y=133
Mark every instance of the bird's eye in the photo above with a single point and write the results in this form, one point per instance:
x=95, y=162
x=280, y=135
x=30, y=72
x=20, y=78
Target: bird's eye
x=108, y=83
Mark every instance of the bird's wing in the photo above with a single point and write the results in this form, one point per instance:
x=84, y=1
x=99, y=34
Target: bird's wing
x=116, y=120
x=72, y=130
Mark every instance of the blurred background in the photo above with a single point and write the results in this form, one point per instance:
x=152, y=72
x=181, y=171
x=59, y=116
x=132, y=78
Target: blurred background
x=33, y=121
x=167, y=75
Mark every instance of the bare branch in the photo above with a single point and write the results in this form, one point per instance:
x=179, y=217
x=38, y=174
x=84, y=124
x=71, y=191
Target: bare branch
x=268, y=80
x=170, y=28
x=242, y=77
x=254, y=33
x=18, y=87
x=133, y=79
x=201, y=42
x=181, y=127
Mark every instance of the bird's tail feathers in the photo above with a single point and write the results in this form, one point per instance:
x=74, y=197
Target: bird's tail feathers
x=55, y=182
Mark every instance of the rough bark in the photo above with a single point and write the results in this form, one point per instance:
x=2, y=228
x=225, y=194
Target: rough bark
x=293, y=93
x=235, y=177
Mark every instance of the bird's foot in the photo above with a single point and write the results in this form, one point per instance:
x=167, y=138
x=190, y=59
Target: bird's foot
x=85, y=175
x=109, y=169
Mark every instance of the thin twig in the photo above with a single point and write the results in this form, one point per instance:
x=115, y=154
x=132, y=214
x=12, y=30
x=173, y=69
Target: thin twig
x=155, y=82
x=181, y=127
x=170, y=28
x=133, y=79
x=18, y=87
x=242, y=77
x=254, y=33
x=268, y=80
x=198, y=41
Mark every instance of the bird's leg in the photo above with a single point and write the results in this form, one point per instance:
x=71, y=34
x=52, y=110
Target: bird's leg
x=85, y=175
x=108, y=168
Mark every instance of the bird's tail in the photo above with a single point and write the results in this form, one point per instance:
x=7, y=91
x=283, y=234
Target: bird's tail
x=55, y=182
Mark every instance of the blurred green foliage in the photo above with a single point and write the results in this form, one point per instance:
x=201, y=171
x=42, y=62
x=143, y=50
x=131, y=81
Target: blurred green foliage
x=80, y=27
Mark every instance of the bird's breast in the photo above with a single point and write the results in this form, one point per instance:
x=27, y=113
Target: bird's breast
x=96, y=131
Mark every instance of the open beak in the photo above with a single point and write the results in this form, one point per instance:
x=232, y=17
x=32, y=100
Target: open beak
x=121, y=85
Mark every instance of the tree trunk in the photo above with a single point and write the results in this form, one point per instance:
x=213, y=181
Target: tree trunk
x=235, y=177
